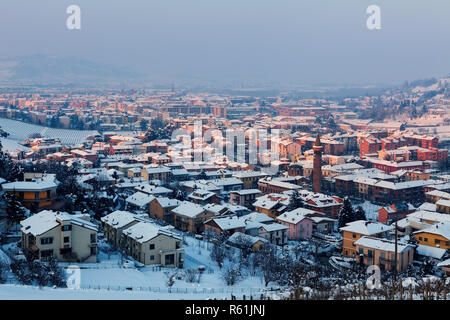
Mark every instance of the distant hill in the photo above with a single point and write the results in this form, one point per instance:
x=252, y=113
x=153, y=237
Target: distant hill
x=40, y=69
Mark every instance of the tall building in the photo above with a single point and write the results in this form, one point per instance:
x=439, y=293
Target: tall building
x=317, y=168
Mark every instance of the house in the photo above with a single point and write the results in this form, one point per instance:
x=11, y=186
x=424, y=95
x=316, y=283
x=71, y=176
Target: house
x=139, y=201
x=37, y=193
x=357, y=229
x=159, y=173
x=321, y=223
x=445, y=266
x=203, y=197
x=275, y=233
x=68, y=238
x=436, y=235
x=245, y=197
x=395, y=212
x=420, y=220
x=250, y=178
x=229, y=225
x=161, y=208
x=218, y=210
x=114, y=224
x=443, y=206
x=272, y=204
x=381, y=252
x=319, y=202
x=246, y=242
x=153, y=190
x=190, y=217
x=150, y=244
x=300, y=226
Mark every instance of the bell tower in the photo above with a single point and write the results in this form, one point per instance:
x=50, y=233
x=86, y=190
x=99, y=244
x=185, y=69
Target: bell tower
x=317, y=165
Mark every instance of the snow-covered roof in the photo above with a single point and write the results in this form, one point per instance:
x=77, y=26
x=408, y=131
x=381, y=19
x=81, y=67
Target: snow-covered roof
x=441, y=229
x=229, y=223
x=272, y=227
x=426, y=206
x=257, y=217
x=431, y=216
x=295, y=216
x=119, y=219
x=443, y=202
x=151, y=189
x=244, y=192
x=382, y=244
x=144, y=231
x=46, y=220
x=239, y=238
x=168, y=202
x=201, y=194
x=366, y=227
x=444, y=263
x=140, y=199
x=432, y=252
x=217, y=209
x=188, y=209
x=44, y=183
x=440, y=194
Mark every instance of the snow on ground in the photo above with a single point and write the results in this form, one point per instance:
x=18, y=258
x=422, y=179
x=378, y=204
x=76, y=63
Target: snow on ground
x=15, y=292
x=9, y=145
x=110, y=273
x=370, y=209
x=19, y=131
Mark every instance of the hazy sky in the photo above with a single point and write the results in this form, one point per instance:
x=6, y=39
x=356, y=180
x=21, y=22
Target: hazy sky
x=303, y=41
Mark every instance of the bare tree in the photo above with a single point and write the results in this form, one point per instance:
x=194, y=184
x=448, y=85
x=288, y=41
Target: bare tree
x=171, y=276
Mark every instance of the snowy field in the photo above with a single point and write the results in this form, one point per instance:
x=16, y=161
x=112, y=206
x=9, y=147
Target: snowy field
x=16, y=292
x=111, y=278
x=19, y=131
x=9, y=145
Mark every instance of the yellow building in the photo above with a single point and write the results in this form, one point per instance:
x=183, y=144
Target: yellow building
x=437, y=235
x=36, y=194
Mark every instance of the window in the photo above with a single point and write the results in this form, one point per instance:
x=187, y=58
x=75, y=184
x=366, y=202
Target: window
x=354, y=235
x=420, y=238
x=361, y=251
x=170, y=259
x=66, y=239
x=46, y=240
x=437, y=241
x=369, y=253
x=152, y=246
x=66, y=227
x=426, y=239
x=93, y=250
x=93, y=238
x=46, y=253
x=178, y=245
x=152, y=258
x=36, y=195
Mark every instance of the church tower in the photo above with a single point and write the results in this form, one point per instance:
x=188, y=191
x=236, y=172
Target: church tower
x=317, y=167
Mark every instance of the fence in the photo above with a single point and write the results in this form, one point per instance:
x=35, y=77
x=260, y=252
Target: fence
x=233, y=291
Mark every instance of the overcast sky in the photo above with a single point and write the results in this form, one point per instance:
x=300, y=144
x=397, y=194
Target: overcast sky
x=303, y=41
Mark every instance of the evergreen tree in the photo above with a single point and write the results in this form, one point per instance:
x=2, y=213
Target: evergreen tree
x=346, y=214
x=14, y=209
x=295, y=201
x=360, y=214
x=9, y=170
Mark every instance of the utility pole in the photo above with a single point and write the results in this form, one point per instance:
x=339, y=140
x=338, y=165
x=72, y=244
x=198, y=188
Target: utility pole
x=395, y=254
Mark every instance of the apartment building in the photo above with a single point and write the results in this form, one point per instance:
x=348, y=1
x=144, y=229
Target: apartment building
x=68, y=238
